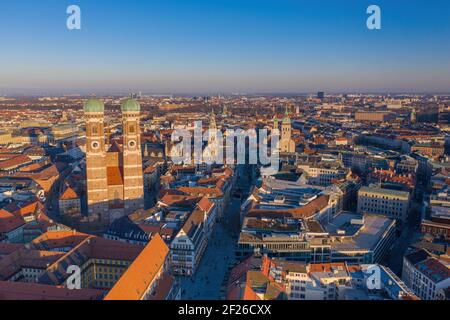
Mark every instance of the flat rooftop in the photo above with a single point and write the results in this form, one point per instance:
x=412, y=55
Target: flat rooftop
x=355, y=236
x=283, y=195
x=440, y=212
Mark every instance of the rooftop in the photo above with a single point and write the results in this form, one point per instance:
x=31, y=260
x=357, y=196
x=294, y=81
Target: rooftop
x=434, y=270
x=94, y=105
x=382, y=191
x=33, y=291
x=135, y=282
x=353, y=235
x=131, y=105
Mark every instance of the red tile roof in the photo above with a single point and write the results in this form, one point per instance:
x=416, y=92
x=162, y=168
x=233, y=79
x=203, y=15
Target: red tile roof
x=9, y=222
x=193, y=222
x=306, y=211
x=135, y=282
x=165, y=286
x=199, y=191
x=8, y=248
x=33, y=207
x=33, y=291
x=205, y=204
x=32, y=167
x=326, y=267
x=59, y=239
x=434, y=269
x=25, y=258
x=179, y=200
x=69, y=194
x=14, y=162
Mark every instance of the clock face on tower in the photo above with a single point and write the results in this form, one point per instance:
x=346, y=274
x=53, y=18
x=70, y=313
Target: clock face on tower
x=95, y=145
x=132, y=144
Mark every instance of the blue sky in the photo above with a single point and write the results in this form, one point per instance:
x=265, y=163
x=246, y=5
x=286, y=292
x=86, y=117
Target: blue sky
x=212, y=46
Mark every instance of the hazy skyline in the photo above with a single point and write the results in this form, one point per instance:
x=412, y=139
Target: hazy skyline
x=225, y=46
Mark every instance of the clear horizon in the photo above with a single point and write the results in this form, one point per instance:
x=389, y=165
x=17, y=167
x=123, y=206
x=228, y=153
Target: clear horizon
x=209, y=47
x=104, y=94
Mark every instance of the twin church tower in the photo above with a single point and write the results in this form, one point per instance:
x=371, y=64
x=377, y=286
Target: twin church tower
x=115, y=184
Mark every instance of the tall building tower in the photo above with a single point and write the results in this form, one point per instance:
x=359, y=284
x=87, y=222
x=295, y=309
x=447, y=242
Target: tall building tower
x=275, y=122
x=96, y=173
x=211, y=150
x=413, y=116
x=286, y=126
x=287, y=145
x=133, y=182
x=225, y=111
x=321, y=95
x=212, y=120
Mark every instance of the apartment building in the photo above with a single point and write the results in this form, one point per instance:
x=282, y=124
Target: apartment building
x=360, y=239
x=391, y=203
x=325, y=281
x=374, y=116
x=112, y=268
x=69, y=202
x=322, y=174
x=277, y=224
x=11, y=227
x=189, y=245
x=264, y=278
x=426, y=275
x=148, y=277
x=433, y=150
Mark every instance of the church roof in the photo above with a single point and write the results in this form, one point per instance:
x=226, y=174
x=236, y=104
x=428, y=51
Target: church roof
x=94, y=105
x=286, y=118
x=131, y=105
x=114, y=176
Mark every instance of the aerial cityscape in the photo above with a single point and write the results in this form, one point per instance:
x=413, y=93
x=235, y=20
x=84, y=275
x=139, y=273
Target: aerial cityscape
x=149, y=173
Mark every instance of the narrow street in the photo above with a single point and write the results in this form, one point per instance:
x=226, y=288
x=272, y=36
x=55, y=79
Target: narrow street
x=207, y=282
x=409, y=236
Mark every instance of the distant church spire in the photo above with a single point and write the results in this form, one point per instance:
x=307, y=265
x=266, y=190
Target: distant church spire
x=287, y=145
x=275, y=119
x=286, y=118
x=225, y=110
x=146, y=150
x=213, y=123
x=275, y=122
